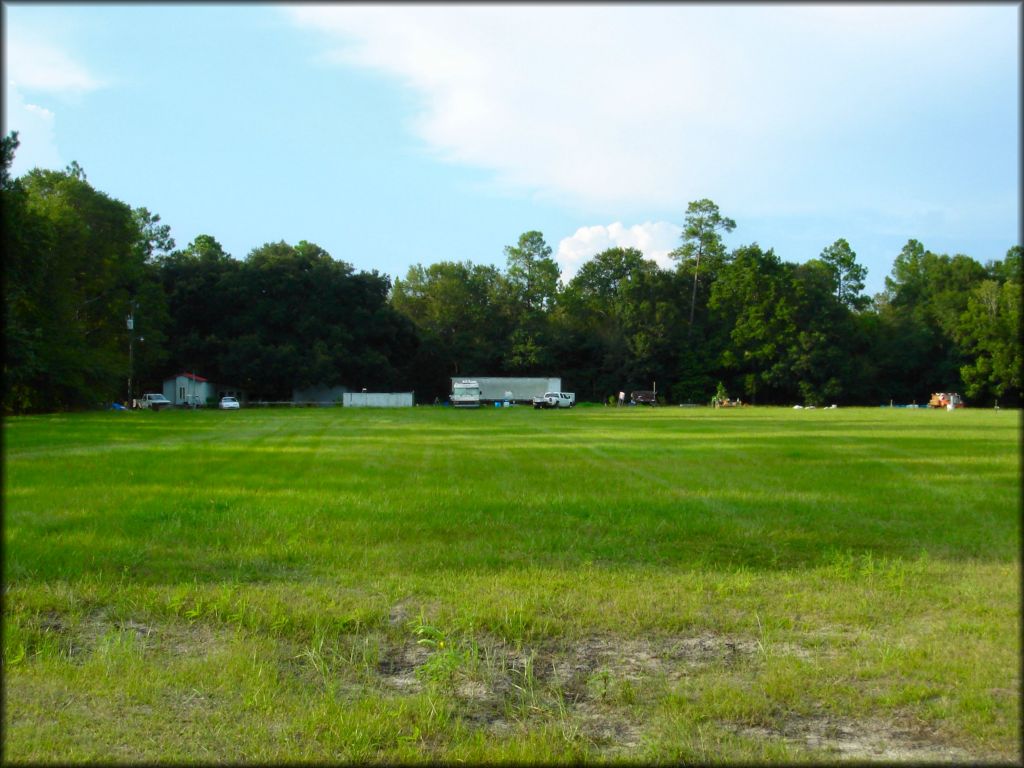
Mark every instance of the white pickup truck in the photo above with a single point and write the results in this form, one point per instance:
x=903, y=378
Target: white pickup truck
x=555, y=400
x=155, y=401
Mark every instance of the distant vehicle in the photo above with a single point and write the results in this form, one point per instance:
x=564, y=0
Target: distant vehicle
x=945, y=400
x=466, y=393
x=506, y=389
x=155, y=401
x=643, y=397
x=555, y=400
x=229, y=404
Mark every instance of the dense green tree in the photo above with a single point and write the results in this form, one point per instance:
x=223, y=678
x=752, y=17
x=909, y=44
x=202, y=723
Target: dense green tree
x=459, y=313
x=149, y=304
x=77, y=262
x=923, y=301
x=990, y=333
x=820, y=353
x=990, y=328
x=789, y=334
x=619, y=321
x=8, y=146
x=752, y=297
x=531, y=272
x=310, y=320
x=933, y=286
x=73, y=272
x=846, y=274
x=702, y=240
x=593, y=319
x=604, y=277
x=1009, y=268
x=288, y=317
x=652, y=323
x=24, y=289
x=532, y=277
x=204, y=296
x=154, y=238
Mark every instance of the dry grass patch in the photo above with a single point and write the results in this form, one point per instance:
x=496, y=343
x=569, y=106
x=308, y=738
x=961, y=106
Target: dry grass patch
x=866, y=739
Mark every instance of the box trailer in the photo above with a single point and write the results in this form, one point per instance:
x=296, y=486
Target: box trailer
x=377, y=399
x=465, y=393
x=513, y=389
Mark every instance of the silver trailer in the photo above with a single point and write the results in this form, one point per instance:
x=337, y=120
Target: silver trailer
x=514, y=389
x=377, y=400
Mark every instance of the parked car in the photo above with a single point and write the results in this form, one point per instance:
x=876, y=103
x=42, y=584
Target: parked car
x=643, y=397
x=154, y=400
x=229, y=404
x=555, y=400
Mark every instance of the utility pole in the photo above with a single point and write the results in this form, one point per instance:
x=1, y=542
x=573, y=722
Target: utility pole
x=131, y=351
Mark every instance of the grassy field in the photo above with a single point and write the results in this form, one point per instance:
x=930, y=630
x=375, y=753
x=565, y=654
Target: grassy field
x=669, y=584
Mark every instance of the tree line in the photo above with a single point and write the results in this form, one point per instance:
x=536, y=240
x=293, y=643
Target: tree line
x=78, y=263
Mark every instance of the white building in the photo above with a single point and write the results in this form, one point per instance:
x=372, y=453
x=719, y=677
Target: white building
x=190, y=389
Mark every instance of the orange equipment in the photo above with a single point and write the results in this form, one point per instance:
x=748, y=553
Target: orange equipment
x=945, y=399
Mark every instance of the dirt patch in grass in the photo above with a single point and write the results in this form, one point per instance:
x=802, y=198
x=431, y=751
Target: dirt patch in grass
x=51, y=621
x=611, y=731
x=139, y=629
x=189, y=639
x=79, y=638
x=636, y=659
x=587, y=684
x=399, y=614
x=865, y=739
x=595, y=687
x=76, y=637
x=397, y=666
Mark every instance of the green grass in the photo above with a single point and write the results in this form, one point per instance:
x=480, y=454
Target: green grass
x=333, y=584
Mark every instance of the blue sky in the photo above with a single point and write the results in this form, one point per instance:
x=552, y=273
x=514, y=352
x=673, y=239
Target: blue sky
x=399, y=134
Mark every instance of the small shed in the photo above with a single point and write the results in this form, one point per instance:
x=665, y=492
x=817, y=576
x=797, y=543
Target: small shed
x=190, y=389
x=378, y=400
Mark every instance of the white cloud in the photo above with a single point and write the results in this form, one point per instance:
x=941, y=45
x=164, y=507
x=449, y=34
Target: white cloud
x=620, y=109
x=654, y=239
x=37, y=139
x=33, y=65
x=41, y=112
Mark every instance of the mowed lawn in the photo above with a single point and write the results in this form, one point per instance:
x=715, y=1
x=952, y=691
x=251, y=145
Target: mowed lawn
x=667, y=584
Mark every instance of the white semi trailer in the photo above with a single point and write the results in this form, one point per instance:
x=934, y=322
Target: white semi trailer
x=465, y=393
x=474, y=390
